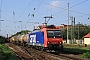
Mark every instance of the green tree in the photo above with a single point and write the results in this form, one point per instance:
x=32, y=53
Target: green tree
x=78, y=31
x=21, y=32
x=64, y=33
x=2, y=39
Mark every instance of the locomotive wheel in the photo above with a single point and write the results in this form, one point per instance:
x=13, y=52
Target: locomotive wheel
x=41, y=48
x=28, y=46
x=57, y=51
x=23, y=44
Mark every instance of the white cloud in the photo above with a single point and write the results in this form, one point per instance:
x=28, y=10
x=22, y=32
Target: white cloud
x=54, y=4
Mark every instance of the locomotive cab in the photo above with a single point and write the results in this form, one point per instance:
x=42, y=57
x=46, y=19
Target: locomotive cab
x=52, y=38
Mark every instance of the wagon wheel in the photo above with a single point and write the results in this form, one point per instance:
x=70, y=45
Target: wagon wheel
x=42, y=49
x=23, y=43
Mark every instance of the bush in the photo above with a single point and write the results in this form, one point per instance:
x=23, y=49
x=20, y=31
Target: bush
x=2, y=40
x=86, y=55
x=6, y=53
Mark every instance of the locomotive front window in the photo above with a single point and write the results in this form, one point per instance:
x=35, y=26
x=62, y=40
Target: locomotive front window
x=54, y=34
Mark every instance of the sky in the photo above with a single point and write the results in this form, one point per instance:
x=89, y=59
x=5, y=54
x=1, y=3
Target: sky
x=20, y=15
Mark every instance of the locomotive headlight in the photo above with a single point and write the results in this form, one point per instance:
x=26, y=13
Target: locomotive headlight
x=60, y=42
x=48, y=42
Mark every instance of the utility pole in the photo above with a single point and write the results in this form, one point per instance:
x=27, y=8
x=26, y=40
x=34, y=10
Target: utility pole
x=0, y=16
x=68, y=21
x=74, y=30
x=78, y=29
x=71, y=28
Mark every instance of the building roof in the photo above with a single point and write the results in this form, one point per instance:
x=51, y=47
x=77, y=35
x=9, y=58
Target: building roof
x=65, y=26
x=87, y=36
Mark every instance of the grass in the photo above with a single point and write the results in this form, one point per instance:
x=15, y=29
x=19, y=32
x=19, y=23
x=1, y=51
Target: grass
x=6, y=53
x=78, y=49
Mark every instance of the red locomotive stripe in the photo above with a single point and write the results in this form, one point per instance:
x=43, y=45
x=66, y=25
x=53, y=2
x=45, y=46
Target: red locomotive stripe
x=45, y=37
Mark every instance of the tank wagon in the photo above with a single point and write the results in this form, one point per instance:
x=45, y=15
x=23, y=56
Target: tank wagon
x=13, y=39
x=20, y=39
x=24, y=39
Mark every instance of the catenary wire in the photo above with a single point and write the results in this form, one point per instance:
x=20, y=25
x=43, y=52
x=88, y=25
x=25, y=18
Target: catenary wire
x=25, y=9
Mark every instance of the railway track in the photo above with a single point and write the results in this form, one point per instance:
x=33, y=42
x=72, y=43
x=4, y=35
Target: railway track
x=21, y=54
x=25, y=53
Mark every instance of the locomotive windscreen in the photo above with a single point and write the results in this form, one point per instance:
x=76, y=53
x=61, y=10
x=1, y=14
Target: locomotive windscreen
x=54, y=34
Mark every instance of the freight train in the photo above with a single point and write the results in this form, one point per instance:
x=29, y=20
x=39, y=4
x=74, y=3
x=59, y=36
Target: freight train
x=43, y=37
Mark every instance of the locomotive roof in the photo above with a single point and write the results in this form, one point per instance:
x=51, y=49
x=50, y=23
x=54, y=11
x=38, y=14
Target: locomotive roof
x=48, y=26
x=36, y=30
